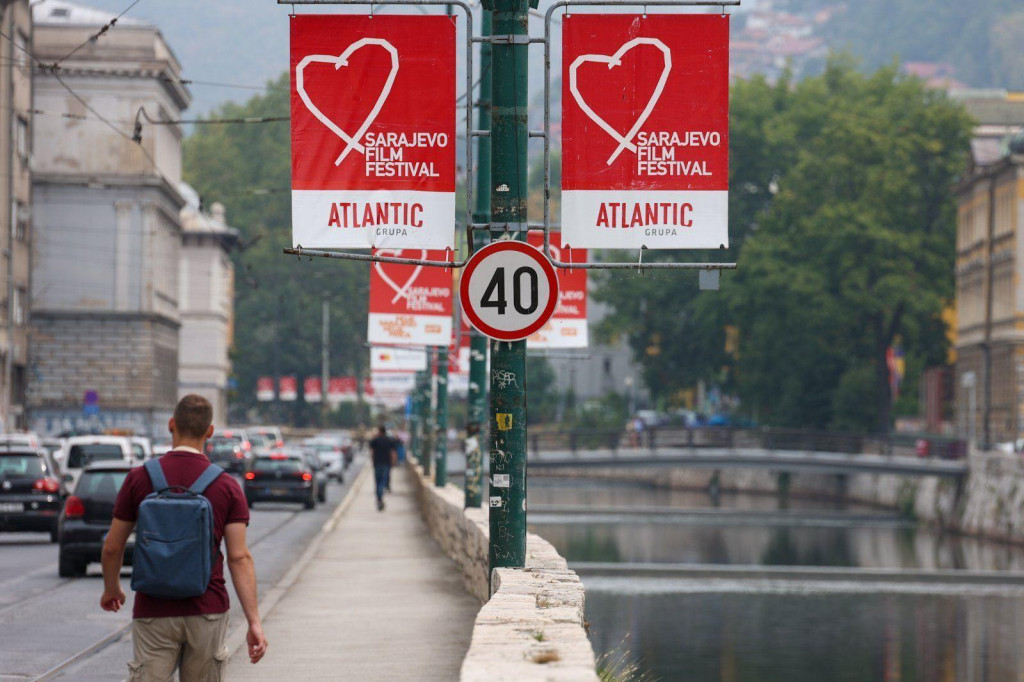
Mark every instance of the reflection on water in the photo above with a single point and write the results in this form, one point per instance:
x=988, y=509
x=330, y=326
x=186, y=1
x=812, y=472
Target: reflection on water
x=705, y=637
x=706, y=631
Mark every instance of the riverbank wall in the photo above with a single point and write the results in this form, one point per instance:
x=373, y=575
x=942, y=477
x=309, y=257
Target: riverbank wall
x=988, y=502
x=531, y=625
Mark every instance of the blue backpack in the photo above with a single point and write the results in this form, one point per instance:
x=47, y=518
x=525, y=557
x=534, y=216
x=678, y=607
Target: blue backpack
x=174, y=540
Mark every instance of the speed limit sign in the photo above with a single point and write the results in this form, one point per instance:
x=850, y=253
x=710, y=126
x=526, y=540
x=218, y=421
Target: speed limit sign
x=509, y=289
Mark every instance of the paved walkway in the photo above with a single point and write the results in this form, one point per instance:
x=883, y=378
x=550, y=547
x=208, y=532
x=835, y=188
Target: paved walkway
x=379, y=601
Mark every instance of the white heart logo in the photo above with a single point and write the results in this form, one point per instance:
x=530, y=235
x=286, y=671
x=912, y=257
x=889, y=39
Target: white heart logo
x=625, y=141
x=340, y=61
x=403, y=290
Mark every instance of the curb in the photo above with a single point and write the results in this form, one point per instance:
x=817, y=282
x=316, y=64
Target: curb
x=235, y=640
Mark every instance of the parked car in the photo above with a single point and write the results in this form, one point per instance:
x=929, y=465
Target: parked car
x=281, y=477
x=265, y=437
x=142, y=448
x=52, y=445
x=80, y=451
x=228, y=451
x=320, y=474
x=31, y=491
x=86, y=517
x=22, y=440
x=330, y=453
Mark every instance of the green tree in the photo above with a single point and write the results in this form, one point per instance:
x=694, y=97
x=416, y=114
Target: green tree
x=842, y=223
x=278, y=299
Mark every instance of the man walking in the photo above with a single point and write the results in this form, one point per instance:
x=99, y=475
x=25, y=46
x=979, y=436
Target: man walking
x=186, y=634
x=382, y=449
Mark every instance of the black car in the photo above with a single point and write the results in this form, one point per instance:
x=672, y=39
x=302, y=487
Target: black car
x=31, y=491
x=228, y=452
x=281, y=477
x=87, y=515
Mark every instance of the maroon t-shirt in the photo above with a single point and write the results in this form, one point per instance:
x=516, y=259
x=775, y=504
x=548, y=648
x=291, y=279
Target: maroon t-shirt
x=229, y=506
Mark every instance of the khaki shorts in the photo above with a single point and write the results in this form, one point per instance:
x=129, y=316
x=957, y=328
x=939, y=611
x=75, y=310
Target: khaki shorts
x=192, y=644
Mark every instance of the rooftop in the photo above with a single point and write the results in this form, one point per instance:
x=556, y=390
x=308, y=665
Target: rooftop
x=64, y=13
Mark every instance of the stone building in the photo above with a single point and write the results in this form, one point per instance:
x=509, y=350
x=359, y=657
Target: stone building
x=990, y=273
x=105, y=271
x=16, y=121
x=206, y=296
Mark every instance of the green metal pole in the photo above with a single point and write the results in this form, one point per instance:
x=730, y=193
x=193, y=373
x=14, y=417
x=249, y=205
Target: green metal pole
x=427, y=417
x=441, y=475
x=477, y=411
x=414, y=419
x=509, y=134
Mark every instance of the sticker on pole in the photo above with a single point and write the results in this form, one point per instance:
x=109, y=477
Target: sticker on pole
x=373, y=131
x=645, y=131
x=508, y=290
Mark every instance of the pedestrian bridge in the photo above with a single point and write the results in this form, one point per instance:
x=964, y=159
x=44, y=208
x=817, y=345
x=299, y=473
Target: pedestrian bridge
x=771, y=449
x=752, y=458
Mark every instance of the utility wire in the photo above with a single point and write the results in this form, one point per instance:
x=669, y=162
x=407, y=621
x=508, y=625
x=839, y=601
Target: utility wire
x=94, y=37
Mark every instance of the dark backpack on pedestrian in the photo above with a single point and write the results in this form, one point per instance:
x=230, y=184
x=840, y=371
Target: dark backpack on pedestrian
x=174, y=540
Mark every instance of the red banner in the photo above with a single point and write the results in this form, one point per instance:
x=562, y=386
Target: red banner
x=373, y=131
x=288, y=388
x=265, y=389
x=567, y=328
x=312, y=389
x=410, y=304
x=645, y=131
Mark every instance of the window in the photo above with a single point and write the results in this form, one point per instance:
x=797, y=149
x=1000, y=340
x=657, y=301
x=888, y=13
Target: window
x=19, y=220
x=20, y=296
x=21, y=139
x=20, y=50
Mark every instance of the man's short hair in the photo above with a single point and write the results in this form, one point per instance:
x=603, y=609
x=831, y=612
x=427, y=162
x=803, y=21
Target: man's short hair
x=382, y=430
x=193, y=415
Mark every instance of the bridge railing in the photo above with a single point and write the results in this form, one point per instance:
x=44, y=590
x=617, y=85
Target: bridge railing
x=655, y=439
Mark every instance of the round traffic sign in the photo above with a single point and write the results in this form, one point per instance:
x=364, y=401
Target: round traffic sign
x=509, y=290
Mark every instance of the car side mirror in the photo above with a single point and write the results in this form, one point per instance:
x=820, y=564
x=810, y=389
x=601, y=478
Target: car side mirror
x=68, y=478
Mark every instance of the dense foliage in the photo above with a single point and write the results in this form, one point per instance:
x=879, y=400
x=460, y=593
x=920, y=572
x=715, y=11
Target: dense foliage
x=842, y=222
x=278, y=299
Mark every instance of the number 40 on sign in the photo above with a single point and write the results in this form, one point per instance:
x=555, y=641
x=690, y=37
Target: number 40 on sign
x=509, y=290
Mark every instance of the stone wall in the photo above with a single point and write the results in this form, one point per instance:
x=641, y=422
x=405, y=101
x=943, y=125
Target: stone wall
x=988, y=503
x=532, y=626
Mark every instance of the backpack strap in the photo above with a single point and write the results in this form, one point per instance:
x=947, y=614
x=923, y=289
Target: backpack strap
x=156, y=475
x=211, y=474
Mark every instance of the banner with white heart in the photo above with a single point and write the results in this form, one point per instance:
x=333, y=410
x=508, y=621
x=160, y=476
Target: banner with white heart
x=373, y=131
x=410, y=304
x=645, y=131
x=567, y=327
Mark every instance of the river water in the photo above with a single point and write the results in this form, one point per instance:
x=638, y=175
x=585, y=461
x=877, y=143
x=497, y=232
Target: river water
x=727, y=629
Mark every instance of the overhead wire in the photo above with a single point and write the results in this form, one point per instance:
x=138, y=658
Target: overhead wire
x=95, y=36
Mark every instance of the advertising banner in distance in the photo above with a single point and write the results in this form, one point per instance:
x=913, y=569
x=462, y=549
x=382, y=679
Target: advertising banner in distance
x=397, y=359
x=373, y=131
x=265, y=389
x=288, y=388
x=645, y=131
x=341, y=389
x=312, y=390
x=567, y=327
x=410, y=304
x=391, y=388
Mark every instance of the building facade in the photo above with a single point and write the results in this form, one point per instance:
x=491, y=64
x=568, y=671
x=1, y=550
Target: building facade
x=105, y=271
x=989, y=380
x=206, y=296
x=16, y=122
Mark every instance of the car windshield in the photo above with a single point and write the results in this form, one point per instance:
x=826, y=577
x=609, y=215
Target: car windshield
x=100, y=485
x=265, y=465
x=22, y=466
x=221, y=446
x=263, y=440
x=138, y=451
x=322, y=447
x=80, y=455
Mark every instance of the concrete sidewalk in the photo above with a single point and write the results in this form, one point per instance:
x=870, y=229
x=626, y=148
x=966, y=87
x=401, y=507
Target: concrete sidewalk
x=378, y=601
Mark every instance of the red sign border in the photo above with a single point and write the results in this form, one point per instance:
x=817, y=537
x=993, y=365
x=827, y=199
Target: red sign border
x=467, y=275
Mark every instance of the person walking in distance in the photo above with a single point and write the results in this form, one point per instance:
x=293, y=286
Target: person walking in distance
x=170, y=631
x=382, y=449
